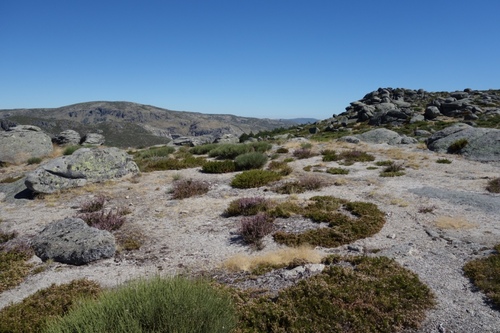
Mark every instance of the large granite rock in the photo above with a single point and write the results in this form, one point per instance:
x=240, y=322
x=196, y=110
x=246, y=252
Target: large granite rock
x=86, y=165
x=383, y=135
x=93, y=139
x=22, y=142
x=68, y=137
x=72, y=241
x=483, y=144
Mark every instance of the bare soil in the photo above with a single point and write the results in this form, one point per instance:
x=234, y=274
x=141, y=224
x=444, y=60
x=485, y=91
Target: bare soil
x=439, y=216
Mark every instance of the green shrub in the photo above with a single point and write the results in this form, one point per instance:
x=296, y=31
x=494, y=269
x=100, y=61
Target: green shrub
x=157, y=305
x=457, y=146
x=384, y=163
x=393, y=170
x=34, y=160
x=219, y=166
x=352, y=294
x=254, y=178
x=155, y=152
x=261, y=146
x=494, y=185
x=168, y=163
x=352, y=156
x=248, y=161
x=281, y=167
x=330, y=155
x=337, y=171
x=32, y=313
x=203, y=149
x=69, y=150
x=229, y=151
x=247, y=206
x=282, y=150
x=303, y=153
x=485, y=274
x=187, y=188
x=443, y=161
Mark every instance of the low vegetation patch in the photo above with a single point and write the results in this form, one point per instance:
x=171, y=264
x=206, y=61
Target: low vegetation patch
x=69, y=150
x=247, y=206
x=384, y=163
x=360, y=220
x=254, y=178
x=203, y=149
x=9, y=180
x=337, y=171
x=351, y=156
x=129, y=238
x=219, y=166
x=457, y=146
x=493, y=185
x=166, y=158
x=229, y=151
x=174, y=304
x=186, y=188
x=443, y=161
x=485, y=274
x=308, y=183
x=393, y=170
x=154, y=152
x=303, y=153
x=34, y=160
x=104, y=220
x=352, y=294
x=330, y=155
x=248, y=161
x=13, y=256
x=282, y=150
x=31, y=315
x=281, y=167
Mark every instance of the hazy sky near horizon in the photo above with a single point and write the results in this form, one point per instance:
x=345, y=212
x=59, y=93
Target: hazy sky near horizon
x=256, y=58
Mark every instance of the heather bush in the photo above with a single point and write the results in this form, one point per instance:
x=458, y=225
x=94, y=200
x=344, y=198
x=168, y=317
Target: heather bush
x=303, y=153
x=110, y=220
x=393, y=170
x=32, y=313
x=247, y=206
x=337, y=171
x=281, y=167
x=494, y=185
x=329, y=155
x=282, y=150
x=219, y=166
x=187, y=188
x=352, y=156
x=248, y=161
x=254, y=228
x=174, y=304
x=254, y=178
x=13, y=255
x=304, y=184
x=93, y=205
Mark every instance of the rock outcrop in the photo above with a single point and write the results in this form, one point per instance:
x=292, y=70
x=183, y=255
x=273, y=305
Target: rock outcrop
x=22, y=142
x=383, y=135
x=480, y=144
x=72, y=241
x=93, y=139
x=399, y=106
x=67, y=137
x=86, y=165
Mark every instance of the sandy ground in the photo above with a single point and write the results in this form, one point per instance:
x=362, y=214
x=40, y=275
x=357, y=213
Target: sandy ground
x=191, y=236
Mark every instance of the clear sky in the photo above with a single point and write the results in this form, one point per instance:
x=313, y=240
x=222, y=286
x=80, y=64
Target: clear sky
x=256, y=58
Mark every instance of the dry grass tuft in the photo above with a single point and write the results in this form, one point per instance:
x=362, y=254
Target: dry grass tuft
x=457, y=223
x=279, y=258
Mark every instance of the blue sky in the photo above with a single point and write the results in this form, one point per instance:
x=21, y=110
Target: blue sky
x=266, y=59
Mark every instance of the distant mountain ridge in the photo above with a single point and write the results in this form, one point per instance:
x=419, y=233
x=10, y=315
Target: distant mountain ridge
x=127, y=124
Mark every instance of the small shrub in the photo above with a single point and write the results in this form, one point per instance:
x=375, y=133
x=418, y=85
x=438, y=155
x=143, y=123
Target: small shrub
x=384, y=163
x=261, y=146
x=281, y=167
x=493, y=185
x=303, y=153
x=443, y=161
x=188, y=188
x=485, y=274
x=219, y=167
x=457, y=146
x=425, y=210
x=254, y=178
x=34, y=160
x=302, y=185
x=393, y=170
x=229, y=151
x=13, y=265
x=69, y=150
x=102, y=220
x=32, y=313
x=94, y=205
x=248, y=161
x=307, y=168
x=254, y=228
x=247, y=206
x=352, y=156
x=155, y=152
x=282, y=150
x=175, y=304
x=203, y=149
x=330, y=155
x=130, y=238
x=337, y=171
x=306, y=145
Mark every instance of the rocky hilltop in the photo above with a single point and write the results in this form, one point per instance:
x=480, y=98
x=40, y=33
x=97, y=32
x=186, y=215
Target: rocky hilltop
x=125, y=124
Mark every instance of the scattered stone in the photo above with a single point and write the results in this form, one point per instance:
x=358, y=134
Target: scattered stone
x=72, y=241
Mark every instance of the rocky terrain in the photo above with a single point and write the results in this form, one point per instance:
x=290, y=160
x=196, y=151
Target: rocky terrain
x=438, y=216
